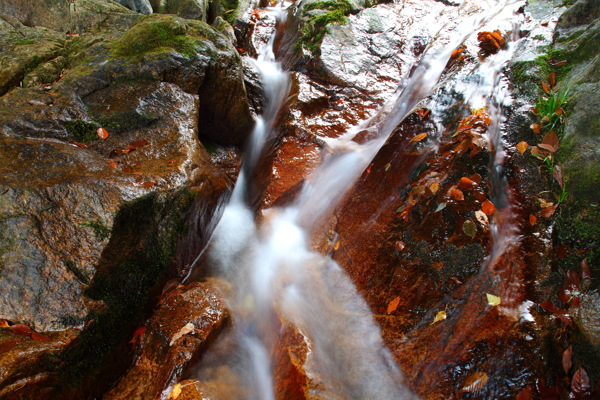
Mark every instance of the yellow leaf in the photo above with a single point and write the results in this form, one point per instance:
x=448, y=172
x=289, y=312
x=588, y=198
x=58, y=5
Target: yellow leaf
x=522, y=147
x=440, y=316
x=336, y=245
x=493, y=300
x=175, y=392
x=419, y=137
x=434, y=187
x=393, y=305
x=475, y=382
x=187, y=328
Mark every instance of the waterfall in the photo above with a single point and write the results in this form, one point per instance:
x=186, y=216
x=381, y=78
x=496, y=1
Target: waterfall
x=272, y=268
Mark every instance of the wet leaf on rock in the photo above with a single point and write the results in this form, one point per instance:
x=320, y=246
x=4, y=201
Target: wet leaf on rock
x=525, y=394
x=4, y=323
x=187, y=328
x=393, y=305
x=491, y=42
x=418, y=138
x=488, y=207
x=546, y=86
x=466, y=183
x=457, y=195
x=102, y=133
x=434, y=187
x=469, y=228
x=536, y=128
x=112, y=164
x=137, y=334
x=522, y=147
x=148, y=184
x=567, y=360
x=532, y=219
x=423, y=113
x=475, y=382
x=399, y=245
x=21, y=329
x=175, y=392
x=481, y=217
x=440, y=316
x=493, y=300
x=580, y=383
x=40, y=336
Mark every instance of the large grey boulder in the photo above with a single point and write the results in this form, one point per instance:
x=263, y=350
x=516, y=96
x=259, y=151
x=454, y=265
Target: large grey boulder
x=141, y=6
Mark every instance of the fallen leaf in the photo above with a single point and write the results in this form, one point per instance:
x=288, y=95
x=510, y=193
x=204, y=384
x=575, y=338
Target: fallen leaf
x=539, y=153
x=440, y=207
x=423, y=113
x=457, y=195
x=549, y=211
x=102, y=133
x=40, y=336
x=476, y=178
x=187, y=328
x=481, y=217
x=567, y=360
x=4, y=323
x=466, y=183
x=525, y=394
x=112, y=164
x=493, y=300
x=21, y=329
x=532, y=219
x=546, y=87
x=551, y=138
x=580, y=383
x=491, y=42
x=488, y=207
x=559, y=111
x=552, y=79
x=440, y=316
x=175, y=392
x=475, y=382
x=393, y=305
x=535, y=111
x=456, y=52
x=137, y=334
x=419, y=137
x=148, y=184
x=557, y=63
x=522, y=147
x=469, y=228
x=536, y=128
x=585, y=269
x=558, y=176
x=399, y=245
x=171, y=161
x=438, y=265
x=434, y=187
x=8, y=346
x=337, y=245
x=78, y=144
x=546, y=147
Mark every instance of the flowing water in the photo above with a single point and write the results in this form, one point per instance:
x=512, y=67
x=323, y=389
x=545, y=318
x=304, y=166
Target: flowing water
x=271, y=266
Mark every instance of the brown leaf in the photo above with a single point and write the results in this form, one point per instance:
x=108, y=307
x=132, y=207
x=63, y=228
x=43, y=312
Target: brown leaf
x=138, y=143
x=580, y=383
x=419, y=137
x=476, y=178
x=551, y=138
x=549, y=306
x=536, y=128
x=532, y=220
x=525, y=394
x=488, y=207
x=539, y=153
x=475, y=382
x=546, y=147
x=393, y=305
x=567, y=360
x=559, y=111
x=21, y=329
x=148, y=184
x=557, y=63
x=552, y=79
x=102, y=133
x=585, y=269
x=547, y=88
x=423, y=113
x=522, y=147
x=549, y=211
x=112, y=164
x=78, y=144
x=399, y=245
x=457, y=195
x=8, y=346
x=466, y=183
x=535, y=111
x=558, y=176
x=40, y=336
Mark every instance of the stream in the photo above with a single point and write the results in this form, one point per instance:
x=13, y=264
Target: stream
x=269, y=261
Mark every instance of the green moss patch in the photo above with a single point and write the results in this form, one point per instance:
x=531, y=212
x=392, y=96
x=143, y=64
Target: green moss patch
x=315, y=27
x=82, y=131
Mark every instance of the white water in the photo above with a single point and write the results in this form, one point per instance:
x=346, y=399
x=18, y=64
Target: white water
x=275, y=273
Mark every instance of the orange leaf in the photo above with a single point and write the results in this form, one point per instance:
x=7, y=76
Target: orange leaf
x=546, y=87
x=419, y=137
x=475, y=382
x=4, y=323
x=552, y=78
x=393, y=305
x=457, y=194
x=434, y=187
x=78, y=144
x=456, y=52
x=399, y=245
x=532, y=220
x=559, y=111
x=567, y=361
x=466, y=183
x=423, y=113
x=522, y=147
x=171, y=161
x=21, y=329
x=551, y=138
x=549, y=211
x=148, y=184
x=102, y=133
x=538, y=152
x=40, y=336
x=536, y=128
x=112, y=164
x=137, y=334
x=488, y=207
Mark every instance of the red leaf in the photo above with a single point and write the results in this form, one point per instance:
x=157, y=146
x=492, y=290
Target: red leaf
x=488, y=207
x=546, y=147
x=525, y=394
x=102, y=133
x=550, y=307
x=565, y=318
x=580, y=383
x=40, y=336
x=567, y=360
x=8, y=346
x=137, y=334
x=532, y=220
x=536, y=128
x=21, y=329
x=547, y=393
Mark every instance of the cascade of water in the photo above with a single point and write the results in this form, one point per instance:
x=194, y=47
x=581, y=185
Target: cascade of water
x=275, y=273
